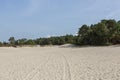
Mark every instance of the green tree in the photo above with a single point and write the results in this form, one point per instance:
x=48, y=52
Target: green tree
x=111, y=27
x=1, y=44
x=83, y=38
x=12, y=40
x=116, y=36
x=30, y=42
x=98, y=35
x=21, y=42
x=69, y=39
x=83, y=31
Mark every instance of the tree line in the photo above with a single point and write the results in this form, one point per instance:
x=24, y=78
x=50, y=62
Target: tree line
x=105, y=32
x=56, y=40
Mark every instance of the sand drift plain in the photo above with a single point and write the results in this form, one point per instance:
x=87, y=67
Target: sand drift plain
x=60, y=63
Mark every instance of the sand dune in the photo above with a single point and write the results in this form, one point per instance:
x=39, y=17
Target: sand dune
x=60, y=63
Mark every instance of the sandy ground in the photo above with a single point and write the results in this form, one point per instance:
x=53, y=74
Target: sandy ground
x=60, y=63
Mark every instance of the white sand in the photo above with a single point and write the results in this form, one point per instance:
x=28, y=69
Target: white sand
x=60, y=63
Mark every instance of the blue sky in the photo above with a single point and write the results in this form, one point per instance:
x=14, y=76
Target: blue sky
x=42, y=18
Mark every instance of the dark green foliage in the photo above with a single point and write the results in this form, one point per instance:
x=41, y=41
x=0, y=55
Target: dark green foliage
x=69, y=39
x=44, y=41
x=98, y=35
x=6, y=44
x=12, y=40
x=30, y=42
x=1, y=44
x=83, y=38
x=21, y=41
x=56, y=40
x=51, y=41
x=59, y=41
x=115, y=39
x=103, y=33
x=83, y=31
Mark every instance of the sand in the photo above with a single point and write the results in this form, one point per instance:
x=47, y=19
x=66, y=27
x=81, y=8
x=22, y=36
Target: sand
x=60, y=63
